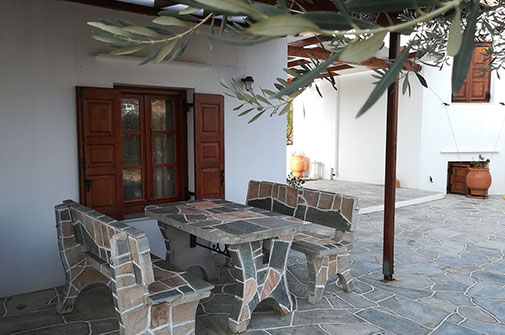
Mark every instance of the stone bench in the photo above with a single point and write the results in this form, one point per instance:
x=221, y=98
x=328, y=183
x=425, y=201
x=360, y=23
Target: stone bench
x=327, y=236
x=151, y=296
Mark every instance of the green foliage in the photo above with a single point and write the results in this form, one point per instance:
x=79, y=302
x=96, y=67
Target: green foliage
x=439, y=32
x=481, y=163
x=294, y=181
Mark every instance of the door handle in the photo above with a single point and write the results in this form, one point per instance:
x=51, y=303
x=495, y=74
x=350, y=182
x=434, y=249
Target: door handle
x=87, y=185
x=222, y=177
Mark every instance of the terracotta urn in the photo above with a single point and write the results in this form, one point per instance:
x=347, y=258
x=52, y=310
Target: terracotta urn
x=298, y=165
x=478, y=181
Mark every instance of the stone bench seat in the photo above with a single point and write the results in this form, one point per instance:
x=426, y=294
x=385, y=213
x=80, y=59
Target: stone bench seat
x=151, y=296
x=327, y=235
x=175, y=285
x=313, y=239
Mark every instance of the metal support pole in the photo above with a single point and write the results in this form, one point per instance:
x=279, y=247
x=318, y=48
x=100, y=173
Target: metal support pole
x=390, y=178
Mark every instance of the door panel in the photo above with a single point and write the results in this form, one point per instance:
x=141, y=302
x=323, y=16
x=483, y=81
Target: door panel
x=457, y=178
x=209, y=146
x=100, y=151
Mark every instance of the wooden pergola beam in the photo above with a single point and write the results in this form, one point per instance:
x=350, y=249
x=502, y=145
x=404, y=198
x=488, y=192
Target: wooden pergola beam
x=310, y=41
x=297, y=62
x=319, y=53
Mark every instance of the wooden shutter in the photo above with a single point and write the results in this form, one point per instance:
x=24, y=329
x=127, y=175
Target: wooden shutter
x=209, y=146
x=480, y=83
x=100, y=151
x=476, y=87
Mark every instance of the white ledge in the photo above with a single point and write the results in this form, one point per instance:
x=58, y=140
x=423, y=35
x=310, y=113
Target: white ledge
x=469, y=151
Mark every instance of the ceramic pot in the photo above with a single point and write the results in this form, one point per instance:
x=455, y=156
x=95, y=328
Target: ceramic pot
x=478, y=181
x=298, y=165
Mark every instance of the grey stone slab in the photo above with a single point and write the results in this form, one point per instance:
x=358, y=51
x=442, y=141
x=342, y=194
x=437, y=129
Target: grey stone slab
x=351, y=329
x=318, y=316
x=28, y=321
x=498, y=266
x=355, y=300
x=455, y=298
x=269, y=320
x=423, y=314
x=303, y=304
x=476, y=258
x=73, y=328
x=361, y=287
x=219, y=304
x=29, y=302
x=475, y=313
x=216, y=324
x=449, y=287
x=406, y=292
x=448, y=328
x=493, y=307
x=489, y=329
x=487, y=290
x=378, y=294
x=298, y=330
x=455, y=318
x=104, y=326
x=338, y=303
x=240, y=227
x=391, y=322
x=490, y=276
x=85, y=307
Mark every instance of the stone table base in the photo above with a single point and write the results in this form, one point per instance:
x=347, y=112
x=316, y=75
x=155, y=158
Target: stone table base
x=260, y=273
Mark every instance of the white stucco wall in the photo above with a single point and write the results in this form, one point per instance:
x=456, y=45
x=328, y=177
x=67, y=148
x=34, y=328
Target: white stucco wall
x=314, y=123
x=47, y=51
x=429, y=134
x=356, y=147
x=460, y=131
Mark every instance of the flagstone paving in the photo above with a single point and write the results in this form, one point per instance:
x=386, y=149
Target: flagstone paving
x=450, y=280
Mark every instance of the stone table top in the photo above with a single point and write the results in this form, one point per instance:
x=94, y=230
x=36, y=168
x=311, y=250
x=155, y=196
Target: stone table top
x=221, y=221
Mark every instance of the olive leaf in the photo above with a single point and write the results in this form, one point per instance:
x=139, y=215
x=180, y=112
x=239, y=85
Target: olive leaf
x=455, y=34
x=142, y=31
x=282, y=25
x=464, y=56
x=115, y=30
x=360, y=51
x=189, y=10
x=387, y=79
x=165, y=50
x=232, y=7
x=169, y=21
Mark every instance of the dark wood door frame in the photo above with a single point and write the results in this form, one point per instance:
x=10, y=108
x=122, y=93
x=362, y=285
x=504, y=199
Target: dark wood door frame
x=450, y=168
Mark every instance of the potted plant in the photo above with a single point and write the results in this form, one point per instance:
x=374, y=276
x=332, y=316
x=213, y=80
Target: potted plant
x=294, y=181
x=298, y=163
x=478, y=178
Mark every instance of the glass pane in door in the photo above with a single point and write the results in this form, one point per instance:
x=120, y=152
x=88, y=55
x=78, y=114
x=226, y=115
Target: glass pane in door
x=164, y=181
x=131, y=150
x=163, y=148
x=132, y=184
x=130, y=114
x=162, y=114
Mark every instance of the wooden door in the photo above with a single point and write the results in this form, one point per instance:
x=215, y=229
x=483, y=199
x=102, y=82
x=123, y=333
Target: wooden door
x=457, y=178
x=100, y=151
x=209, y=146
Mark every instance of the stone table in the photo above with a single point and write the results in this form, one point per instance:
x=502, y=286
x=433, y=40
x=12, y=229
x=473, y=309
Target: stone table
x=257, y=240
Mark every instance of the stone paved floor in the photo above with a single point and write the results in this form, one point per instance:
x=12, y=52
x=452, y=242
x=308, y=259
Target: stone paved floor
x=369, y=195
x=450, y=269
